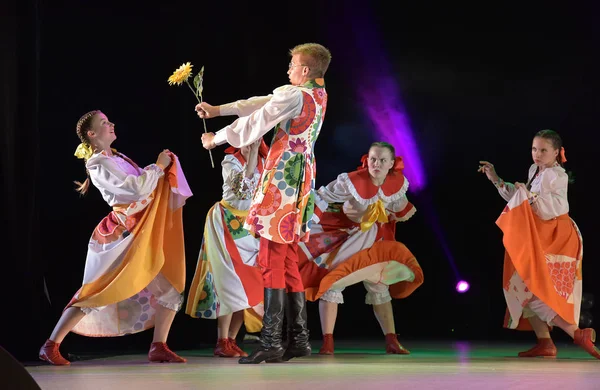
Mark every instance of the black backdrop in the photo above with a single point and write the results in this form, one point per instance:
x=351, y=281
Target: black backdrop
x=475, y=84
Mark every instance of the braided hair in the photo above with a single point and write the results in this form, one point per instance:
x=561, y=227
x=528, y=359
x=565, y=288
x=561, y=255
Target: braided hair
x=84, y=124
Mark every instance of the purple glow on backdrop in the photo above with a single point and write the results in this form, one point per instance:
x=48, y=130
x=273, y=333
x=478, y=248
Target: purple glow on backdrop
x=380, y=97
x=383, y=107
x=434, y=223
x=379, y=94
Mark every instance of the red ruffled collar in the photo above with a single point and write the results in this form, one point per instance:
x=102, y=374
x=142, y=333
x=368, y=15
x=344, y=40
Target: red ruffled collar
x=394, y=184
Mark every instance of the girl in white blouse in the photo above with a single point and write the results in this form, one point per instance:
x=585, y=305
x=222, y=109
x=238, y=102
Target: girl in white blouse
x=135, y=267
x=542, y=265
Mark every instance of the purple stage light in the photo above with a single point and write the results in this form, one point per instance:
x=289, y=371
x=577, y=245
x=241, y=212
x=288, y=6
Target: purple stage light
x=377, y=86
x=462, y=286
x=384, y=107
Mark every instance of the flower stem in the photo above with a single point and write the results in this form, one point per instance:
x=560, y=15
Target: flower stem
x=192, y=89
x=212, y=163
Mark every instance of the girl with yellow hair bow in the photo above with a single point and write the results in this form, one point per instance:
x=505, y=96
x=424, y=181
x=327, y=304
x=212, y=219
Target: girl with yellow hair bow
x=135, y=266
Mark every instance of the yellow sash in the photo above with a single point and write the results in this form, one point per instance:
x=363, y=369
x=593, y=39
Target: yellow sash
x=375, y=213
x=236, y=212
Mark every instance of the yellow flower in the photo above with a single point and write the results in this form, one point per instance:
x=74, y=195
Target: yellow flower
x=181, y=74
x=84, y=151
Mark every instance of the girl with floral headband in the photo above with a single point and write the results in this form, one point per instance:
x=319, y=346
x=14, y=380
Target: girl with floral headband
x=227, y=284
x=542, y=276
x=353, y=241
x=135, y=267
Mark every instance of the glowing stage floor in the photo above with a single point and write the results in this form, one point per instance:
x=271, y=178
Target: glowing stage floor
x=356, y=365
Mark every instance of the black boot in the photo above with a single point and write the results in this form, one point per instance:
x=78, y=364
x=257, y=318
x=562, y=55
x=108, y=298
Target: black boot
x=297, y=326
x=270, y=338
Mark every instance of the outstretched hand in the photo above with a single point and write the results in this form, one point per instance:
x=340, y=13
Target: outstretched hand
x=488, y=168
x=208, y=142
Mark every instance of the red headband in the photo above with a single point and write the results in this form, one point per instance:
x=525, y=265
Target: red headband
x=562, y=155
x=398, y=163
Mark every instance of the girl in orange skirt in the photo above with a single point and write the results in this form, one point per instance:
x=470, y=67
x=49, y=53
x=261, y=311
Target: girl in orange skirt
x=542, y=264
x=135, y=267
x=353, y=240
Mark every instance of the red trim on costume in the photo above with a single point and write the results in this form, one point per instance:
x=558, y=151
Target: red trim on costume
x=250, y=276
x=366, y=189
x=402, y=213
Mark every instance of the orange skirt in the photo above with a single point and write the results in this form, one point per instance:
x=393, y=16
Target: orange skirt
x=391, y=261
x=543, y=259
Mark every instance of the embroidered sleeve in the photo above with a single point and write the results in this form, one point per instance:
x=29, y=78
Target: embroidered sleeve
x=153, y=167
x=533, y=197
x=505, y=189
x=236, y=186
x=243, y=187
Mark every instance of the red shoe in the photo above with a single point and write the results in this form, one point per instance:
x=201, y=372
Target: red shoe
x=586, y=338
x=237, y=349
x=544, y=348
x=160, y=352
x=50, y=353
x=224, y=349
x=393, y=346
x=327, y=347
